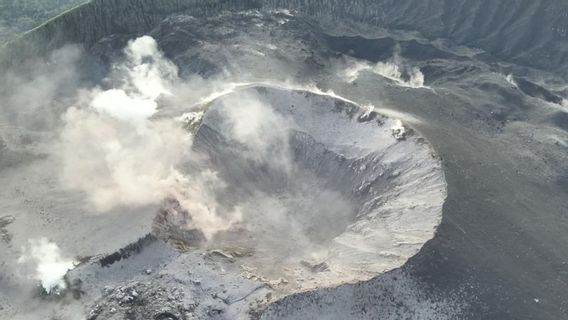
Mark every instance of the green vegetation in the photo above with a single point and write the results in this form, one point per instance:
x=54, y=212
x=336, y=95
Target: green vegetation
x=17, y=16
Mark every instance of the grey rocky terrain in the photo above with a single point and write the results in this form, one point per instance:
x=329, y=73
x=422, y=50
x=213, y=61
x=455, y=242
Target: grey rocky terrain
x=414, y=152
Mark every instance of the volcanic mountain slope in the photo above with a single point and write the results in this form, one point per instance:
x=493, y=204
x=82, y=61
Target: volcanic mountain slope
x=488, y=98
x=532, y=33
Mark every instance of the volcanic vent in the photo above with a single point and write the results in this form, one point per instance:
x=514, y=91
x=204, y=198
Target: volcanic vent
x=320, y=192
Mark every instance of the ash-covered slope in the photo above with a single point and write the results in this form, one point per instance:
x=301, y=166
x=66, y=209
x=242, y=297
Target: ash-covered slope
x=500, y=251
x=531, y=33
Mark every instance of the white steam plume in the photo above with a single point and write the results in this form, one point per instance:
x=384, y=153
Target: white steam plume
x=49, y=265
x=146, y=75
x=263, y=132
x=114, y=151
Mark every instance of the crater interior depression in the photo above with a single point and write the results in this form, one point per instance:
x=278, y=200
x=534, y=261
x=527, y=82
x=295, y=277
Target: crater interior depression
x=328, y=192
